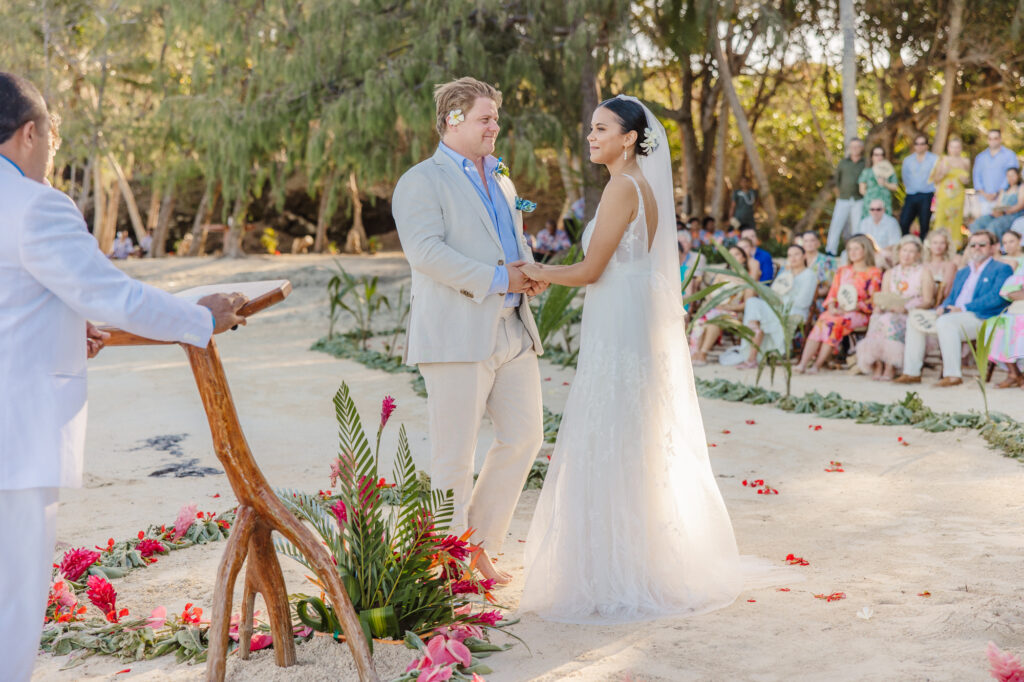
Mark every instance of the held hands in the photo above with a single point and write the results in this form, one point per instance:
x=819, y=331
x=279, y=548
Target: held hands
x=225, y=310
x=524, y=278
x=94, y=339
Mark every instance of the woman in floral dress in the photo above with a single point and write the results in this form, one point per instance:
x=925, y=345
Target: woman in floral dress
x=1008, y=335
x=705, y=333
x=835, y=324
x=872, y=187
x=950, y=176
x=881, y=351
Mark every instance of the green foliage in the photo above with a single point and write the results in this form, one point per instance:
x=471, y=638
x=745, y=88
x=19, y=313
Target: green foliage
x=128, y=640
x=389, y=557
x=359, y=297
x=403, y=307
x=981, y=349
x=554, y=312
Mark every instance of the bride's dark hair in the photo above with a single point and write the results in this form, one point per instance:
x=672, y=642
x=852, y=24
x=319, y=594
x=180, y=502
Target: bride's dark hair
x=631, y=117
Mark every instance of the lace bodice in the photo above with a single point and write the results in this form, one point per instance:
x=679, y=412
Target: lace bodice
x=632, y=249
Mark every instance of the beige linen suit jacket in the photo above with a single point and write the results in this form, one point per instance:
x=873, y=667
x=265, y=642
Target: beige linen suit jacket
x=453, y=249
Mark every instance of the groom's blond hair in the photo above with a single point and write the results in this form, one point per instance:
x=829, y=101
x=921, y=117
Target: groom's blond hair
x=461, y=94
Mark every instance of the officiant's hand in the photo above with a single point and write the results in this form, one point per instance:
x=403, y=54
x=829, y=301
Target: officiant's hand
x=94, y=339
x=225, y=310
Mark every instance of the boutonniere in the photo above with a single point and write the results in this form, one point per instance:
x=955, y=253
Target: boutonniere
x=501, y=169
x=525, y=205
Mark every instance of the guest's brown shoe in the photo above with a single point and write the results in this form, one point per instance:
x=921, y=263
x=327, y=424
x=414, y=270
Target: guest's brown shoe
x=949, y=381
x=1010, y=382
x=907, y=379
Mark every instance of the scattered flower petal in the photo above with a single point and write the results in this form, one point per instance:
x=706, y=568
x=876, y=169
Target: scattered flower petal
x=865, y=613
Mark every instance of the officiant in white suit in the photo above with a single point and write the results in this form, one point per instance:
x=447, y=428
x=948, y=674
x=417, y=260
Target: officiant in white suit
x=52, y=277
x=471, y=331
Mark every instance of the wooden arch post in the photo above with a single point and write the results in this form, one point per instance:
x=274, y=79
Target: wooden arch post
x=260, y=512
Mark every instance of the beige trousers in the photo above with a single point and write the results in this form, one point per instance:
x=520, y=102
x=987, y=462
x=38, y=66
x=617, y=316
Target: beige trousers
x=507, y=387
x=952, y=330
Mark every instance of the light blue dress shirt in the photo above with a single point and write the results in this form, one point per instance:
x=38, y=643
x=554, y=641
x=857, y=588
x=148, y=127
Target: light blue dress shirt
x=501, y=217
x=915, y=173
x=990, y=170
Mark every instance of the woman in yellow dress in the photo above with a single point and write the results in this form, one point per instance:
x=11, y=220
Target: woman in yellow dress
x=950, y=176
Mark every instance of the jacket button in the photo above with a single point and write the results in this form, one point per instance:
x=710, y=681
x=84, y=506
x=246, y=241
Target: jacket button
x=501, y=262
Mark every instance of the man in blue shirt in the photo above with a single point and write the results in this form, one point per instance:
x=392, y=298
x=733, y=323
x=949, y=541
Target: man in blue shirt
x=764, y=259
x=917, y=170
x=990, y=168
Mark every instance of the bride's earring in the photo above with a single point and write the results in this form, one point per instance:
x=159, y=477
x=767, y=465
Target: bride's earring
x=624, y=154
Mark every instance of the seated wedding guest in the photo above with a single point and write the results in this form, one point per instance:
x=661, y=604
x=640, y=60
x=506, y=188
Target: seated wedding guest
x=146, y=244
x=122, y=246
x=940, y=260
x=1008, y=333
x=883, y=229
x=819, y=262
x=973, y=299
x=990, y=167
x=53, y=277
x=1007, y=207
x=764, y=259
x=1013, y=254
x=687, y=257
x=795, y=285
x=710, y=231
x=753, y=266
x=847, y=307
x=551, y=240
x=705, y=332
x=905, y=287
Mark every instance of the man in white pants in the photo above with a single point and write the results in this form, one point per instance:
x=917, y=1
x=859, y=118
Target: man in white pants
x=973, y=299
x=846, y=214
x=52, y=276
x=471, y=330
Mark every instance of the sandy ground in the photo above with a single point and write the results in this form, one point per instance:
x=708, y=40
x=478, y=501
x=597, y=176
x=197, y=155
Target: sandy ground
x=942, y=514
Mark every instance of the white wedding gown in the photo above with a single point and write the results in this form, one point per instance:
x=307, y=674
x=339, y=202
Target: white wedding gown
x=630, y=524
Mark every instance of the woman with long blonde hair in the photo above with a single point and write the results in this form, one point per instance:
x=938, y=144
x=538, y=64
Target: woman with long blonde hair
x=940, y=259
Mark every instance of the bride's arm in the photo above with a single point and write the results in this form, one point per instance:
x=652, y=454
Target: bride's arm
x=618, y=204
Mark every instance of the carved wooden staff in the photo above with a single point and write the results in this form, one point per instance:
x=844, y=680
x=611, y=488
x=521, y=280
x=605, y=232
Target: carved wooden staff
x=260, y=512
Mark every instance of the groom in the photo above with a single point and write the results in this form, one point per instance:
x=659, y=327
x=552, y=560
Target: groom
x=471, y=330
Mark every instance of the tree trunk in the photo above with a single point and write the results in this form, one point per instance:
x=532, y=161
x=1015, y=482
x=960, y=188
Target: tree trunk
x=163, y=222
x=810, y=216
x=108, y=227
x=153, y=214
x=749, y=144
x=569, y=185
x=718, y=194
x=99, y=204
x=83, y=198
x=328, y=203
x=199, y=224
x=236, y=230
x=949, y=78
x=356, y=240
x=129, y=199
x=589, y=99
x=847, y=24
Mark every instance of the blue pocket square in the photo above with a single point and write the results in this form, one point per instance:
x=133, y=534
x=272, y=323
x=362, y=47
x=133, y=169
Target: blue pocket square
x=525, y=205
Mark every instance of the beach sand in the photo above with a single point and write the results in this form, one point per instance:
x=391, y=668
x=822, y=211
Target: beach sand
x=938, y=513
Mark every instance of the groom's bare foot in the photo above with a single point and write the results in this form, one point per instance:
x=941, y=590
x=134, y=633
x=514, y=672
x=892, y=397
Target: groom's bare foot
x=483, y=563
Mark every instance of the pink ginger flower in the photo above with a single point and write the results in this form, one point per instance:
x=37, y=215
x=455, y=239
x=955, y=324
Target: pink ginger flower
x=340, y=513
x=487, y=618
x=1005, y=666
x=149, y=547
x=387, y=408
x=186, y=517
x=456, y=548
x=103, y=596
x=76, y=562
x=472, y=586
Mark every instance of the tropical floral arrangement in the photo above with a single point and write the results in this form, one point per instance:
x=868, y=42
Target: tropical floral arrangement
x=402, y=569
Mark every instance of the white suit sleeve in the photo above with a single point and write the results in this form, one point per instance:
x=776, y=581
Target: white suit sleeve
x=60, y=253
x=420, y=225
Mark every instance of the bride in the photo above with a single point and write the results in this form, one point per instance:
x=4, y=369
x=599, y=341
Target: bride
x=630, y=524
